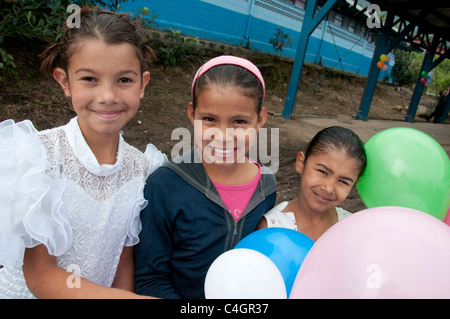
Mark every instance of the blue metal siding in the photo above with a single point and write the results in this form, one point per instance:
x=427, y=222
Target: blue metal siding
x=253, y=23
x=196, y=18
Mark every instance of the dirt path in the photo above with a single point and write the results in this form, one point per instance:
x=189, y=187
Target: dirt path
x=307, y=127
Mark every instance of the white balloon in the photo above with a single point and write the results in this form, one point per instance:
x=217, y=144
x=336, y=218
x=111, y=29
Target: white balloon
x=244, y=274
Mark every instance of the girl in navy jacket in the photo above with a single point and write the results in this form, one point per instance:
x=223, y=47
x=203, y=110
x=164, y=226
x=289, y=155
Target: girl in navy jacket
x=202, y=203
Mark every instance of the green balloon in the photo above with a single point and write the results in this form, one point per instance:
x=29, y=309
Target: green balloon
x=424, y=74
x=407, y=168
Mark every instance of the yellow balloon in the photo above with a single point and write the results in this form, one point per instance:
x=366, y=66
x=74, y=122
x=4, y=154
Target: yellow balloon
x=383, y=57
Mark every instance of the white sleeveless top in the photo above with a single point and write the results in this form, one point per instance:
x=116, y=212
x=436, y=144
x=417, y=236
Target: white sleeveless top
x=54, y=192
x=277, y=218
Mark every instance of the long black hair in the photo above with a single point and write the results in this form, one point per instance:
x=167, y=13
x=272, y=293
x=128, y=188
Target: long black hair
x=339, y=138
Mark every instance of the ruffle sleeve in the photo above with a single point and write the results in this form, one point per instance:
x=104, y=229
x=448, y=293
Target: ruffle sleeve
x=134, y=223
x=30, y=200
x=155, y=159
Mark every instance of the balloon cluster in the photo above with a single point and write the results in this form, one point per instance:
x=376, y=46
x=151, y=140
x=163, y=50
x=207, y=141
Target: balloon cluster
x=397, y=248
x=379, y=253
x=426, y=77
x=262, y=265
x=384, y=62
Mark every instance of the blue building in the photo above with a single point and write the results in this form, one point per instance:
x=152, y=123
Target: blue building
x=252, y=23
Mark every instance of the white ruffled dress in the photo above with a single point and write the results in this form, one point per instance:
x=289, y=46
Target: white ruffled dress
x=54, y=192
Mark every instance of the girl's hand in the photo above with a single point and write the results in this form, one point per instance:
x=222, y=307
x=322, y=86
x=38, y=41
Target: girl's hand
x=46, y=280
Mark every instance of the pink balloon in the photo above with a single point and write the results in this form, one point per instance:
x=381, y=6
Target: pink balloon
x=447, y=217
x=382, y=252
x=385, y=67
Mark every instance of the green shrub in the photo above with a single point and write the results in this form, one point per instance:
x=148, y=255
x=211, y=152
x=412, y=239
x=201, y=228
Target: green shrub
x=281, y=40
x=178, y=48
x=403, y=73
x=26, y=20
x=42, y=20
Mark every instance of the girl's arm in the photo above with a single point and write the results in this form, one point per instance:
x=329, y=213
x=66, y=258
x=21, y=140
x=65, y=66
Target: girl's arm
x=152, y=270
x=125, y=270
x=262, y=224
x=46, y=280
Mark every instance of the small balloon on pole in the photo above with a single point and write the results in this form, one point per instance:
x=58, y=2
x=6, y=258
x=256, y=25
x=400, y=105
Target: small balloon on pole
x=383, y=64
x=425, y=78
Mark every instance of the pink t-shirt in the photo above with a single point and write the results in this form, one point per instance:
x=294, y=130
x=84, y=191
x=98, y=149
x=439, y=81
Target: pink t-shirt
x=236, y=197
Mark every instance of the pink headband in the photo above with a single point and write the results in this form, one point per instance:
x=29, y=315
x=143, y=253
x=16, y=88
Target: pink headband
x=229, y=59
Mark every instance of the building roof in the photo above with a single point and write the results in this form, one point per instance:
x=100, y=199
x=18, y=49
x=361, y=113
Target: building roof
x=431, y=18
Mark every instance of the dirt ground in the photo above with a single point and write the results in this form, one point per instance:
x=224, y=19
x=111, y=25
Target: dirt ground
x=27, y=94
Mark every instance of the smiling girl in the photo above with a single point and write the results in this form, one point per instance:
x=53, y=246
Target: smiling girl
x=333, y=162
x=202, y=205
x=70, y=197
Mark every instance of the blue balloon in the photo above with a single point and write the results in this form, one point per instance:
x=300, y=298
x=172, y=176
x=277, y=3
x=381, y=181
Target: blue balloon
x=285, y=247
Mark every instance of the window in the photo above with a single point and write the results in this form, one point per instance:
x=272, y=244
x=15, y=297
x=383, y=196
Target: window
x=338, y=18
x=300, y=3
x=352, y=25
x=371, y=36
x=363, y=31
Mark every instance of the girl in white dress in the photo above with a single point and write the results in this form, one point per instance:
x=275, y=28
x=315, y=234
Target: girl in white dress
x=70, y=197
x=333, y=162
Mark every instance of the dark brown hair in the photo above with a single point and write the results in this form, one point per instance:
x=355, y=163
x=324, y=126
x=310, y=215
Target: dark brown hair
x=229, y=74
x=110, y=27
x=339, y=138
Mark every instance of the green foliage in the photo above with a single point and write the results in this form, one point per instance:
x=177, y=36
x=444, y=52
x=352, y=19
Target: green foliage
x=407, y=66
x=42, y=20
x=111, y=5
x=403, y=72
x=26, y=19
x=147, y=17
x=7, y=59
x=281, y=40
x=178, y=48
x=441, y=77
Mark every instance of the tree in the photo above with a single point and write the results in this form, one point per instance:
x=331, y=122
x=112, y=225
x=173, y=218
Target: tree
x=403, y=72
x=42, y=19
x=281, y=40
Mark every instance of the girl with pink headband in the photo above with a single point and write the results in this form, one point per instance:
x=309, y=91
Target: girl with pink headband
x=204, y=202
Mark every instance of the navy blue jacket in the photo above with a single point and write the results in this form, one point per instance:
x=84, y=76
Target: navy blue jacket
x=186, y=226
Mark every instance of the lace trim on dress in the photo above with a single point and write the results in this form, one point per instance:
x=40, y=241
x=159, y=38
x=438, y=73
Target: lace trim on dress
x=86, y=157
x=48, y=196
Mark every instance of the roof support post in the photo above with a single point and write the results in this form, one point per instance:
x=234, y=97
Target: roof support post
x=310, y=22
x=381, y=47
x=418, y=88
x=427, y=66
x=446, y=110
